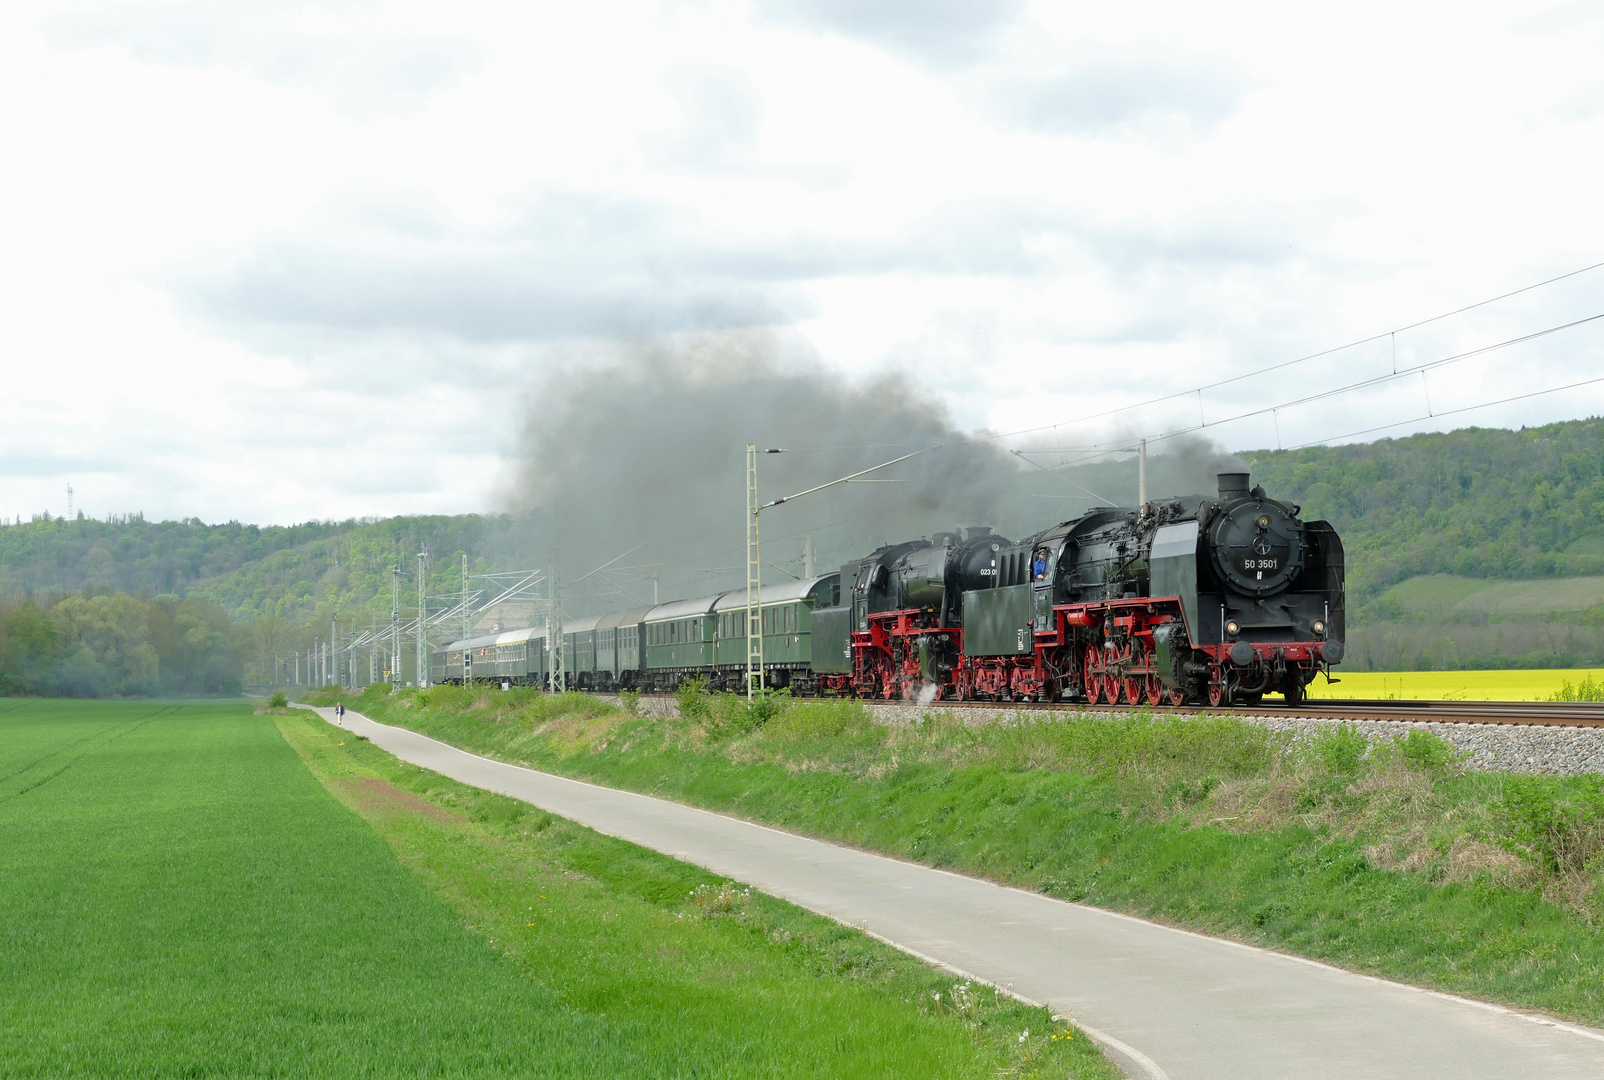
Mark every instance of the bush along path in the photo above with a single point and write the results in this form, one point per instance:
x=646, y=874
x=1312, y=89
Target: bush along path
x=1386, y=859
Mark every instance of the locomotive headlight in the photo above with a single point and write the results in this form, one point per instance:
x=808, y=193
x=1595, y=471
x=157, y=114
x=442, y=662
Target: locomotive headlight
x=1319, y=627
x=1232, y=628
x=1264, y=521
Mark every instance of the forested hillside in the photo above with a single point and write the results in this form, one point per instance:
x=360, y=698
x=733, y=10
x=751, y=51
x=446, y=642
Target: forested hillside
x=1479, y=502
x=1475, y=503
x=251, y=571
x=129, y=606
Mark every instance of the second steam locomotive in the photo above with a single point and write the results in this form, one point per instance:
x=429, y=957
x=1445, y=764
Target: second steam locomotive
x=1217, y=599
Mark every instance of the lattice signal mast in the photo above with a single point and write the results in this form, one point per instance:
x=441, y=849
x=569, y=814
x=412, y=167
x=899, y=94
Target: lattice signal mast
x=395, y=626
x=554, y=631
x=423, y=618
x=754, y=581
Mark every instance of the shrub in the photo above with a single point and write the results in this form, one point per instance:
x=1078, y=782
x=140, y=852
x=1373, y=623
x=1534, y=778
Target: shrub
x=694, y=701
x=538, y=708
x=631, y=700
x=1586, y=690
x=1562, y=834
x=822, y=720
x=1426, y=753
x=732, y=714
x=446, y=696
x=278, y=701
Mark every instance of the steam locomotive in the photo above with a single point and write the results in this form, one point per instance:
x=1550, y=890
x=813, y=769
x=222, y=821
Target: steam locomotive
x=1216, y=599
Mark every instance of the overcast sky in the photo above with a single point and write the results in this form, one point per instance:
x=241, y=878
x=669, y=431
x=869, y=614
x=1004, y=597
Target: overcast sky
x=274, y=261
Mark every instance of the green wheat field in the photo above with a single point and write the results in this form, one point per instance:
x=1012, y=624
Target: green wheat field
x=198, y=891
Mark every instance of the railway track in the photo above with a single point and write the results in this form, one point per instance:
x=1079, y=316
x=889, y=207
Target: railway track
x=1576, y=714
x=1535, y=713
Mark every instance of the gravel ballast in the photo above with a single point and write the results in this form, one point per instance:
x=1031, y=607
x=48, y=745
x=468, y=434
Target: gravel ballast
x=1537, y=748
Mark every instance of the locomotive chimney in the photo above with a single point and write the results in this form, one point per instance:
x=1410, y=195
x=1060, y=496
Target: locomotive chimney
x=977, y=530
x=1233, y=485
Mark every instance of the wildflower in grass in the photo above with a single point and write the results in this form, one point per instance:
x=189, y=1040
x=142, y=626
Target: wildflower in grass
x=1023, y=1035
x=727, y=899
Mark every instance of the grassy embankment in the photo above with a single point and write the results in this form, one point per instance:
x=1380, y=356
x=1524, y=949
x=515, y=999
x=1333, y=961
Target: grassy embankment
x=183, y=898
x=1391, y=861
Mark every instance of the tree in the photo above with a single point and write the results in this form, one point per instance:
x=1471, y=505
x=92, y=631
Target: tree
x=108, y=646
x=30, y=645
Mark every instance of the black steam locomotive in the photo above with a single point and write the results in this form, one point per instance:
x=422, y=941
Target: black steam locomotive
x=1218, y=599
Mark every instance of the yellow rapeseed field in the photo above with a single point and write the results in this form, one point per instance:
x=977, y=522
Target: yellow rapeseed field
x=1535, y=685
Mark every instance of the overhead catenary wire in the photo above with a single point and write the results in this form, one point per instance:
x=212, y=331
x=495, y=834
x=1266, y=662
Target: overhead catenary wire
x=1452, y=412
x=1290, y=363
x=1126, y=445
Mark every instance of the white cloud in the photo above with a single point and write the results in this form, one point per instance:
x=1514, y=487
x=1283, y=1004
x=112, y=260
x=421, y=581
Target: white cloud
x=275, y=261
x=283, y=45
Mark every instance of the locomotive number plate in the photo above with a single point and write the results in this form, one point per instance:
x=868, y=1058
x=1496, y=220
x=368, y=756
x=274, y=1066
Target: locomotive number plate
x=1261, y=564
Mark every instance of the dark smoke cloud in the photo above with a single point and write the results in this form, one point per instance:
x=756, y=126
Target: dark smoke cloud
x=1186, y=464
x=648, y=448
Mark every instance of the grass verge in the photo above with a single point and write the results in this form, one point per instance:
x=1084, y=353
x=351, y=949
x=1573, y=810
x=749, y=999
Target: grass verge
x=707, y=977
x=1388, y=860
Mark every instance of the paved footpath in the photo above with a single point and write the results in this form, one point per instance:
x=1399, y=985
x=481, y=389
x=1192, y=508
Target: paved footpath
x=1164, y=1002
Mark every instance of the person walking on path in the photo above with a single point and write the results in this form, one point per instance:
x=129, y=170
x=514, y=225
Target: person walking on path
x=339, y=712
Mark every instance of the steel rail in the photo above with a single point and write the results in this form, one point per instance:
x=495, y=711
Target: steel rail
x=1582, y=714
x=1535, y=713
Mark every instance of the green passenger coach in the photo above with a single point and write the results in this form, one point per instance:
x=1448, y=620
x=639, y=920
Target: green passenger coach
x=657, y=648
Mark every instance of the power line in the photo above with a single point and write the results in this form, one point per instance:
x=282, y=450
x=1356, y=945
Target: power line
x=1451, y=412
x=1322, y=395
x=1290, y=363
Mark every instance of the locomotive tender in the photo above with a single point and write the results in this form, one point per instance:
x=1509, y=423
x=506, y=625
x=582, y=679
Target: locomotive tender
x=1215, y=599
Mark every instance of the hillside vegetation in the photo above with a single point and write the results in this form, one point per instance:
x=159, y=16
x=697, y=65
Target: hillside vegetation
x=1428, y=522
x=1479, y=502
